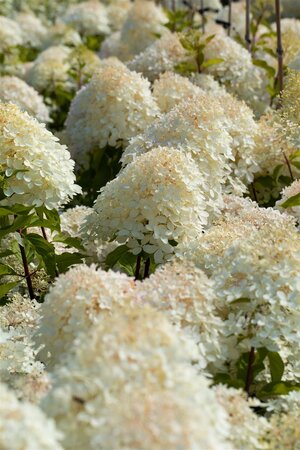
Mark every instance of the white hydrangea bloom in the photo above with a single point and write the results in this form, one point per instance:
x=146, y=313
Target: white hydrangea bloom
x=134, y=389
x=50, y=68
x=238, y=13
x=284, y=432
x=247, y=429
x=117, y=11
x=10, y=34
x=243, y=133
x=186, y=296
x=240, y=217
x=77, y=299
x=262, y=267
x=237, y=72
x=88, y=18
x=161, y=56
x=207, y=83
x=154, y=203
x=44, y=168
x=32, y=28
x=144, y=21
x=24, y=426
x=15, y=90
x=286, y=194
x=61, y=34
x=18, y=365
x=116, y=105
x=197, y=127
x=171, y=88
x=71, y=223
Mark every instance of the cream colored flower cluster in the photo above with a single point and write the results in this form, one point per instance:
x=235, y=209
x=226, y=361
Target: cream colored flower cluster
x=39, y=170
x=127, y=384
x=161, y=56
x=237, y=72
x=49, y=69
x=23, y=426
x=197, y=127
x=15, y=90
x=144, y=22
x=34, y=31
x=156, y=202
x=11, y=34
x=88, y=18
x=116, y=105
x=186, y=297
x=247, y=429
x=19, y=367
x=77, y=299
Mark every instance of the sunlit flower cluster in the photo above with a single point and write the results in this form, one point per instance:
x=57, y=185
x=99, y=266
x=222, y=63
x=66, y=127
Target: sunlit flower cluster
x=38, y=169
x=136, y=375
x=144, y=21
x=156, y=202
x=88, y=18
x=76, y=301
x=23, y=426
x=161, y=56
x=15, y=90
x=116, y=105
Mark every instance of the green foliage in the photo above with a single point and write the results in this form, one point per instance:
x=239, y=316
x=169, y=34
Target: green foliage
x=178, y=20
x=93, y=42
x=292, y=201
x=268, y=187
x=194, y=43
x=103, y=167
x=19, y=221
x=122, y=259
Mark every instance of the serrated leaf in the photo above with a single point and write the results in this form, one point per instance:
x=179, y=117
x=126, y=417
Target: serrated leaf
x=276, y=366
x=66, y=260
x=5, y=288
x=114, y=256
x=44, y=249
x=292, y=201
x=6, y=270
x=68, y=240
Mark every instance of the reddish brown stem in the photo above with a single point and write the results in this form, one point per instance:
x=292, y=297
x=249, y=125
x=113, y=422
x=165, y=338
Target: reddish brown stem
x=147, y=268
x=138, y=267
x=249, y=375
x=247, y=29
x=279, y=46
x=26, y=271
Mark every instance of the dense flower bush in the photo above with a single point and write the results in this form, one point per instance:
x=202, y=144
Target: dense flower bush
x=149, y=225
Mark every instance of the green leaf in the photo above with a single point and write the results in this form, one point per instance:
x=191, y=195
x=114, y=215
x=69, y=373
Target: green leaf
x=66, y=260
x=114, y=256
x=295, y=155
x=6, y=253
x=276, y=366
x=6, y=270
x=212, y=62
x=68, y=240
x=5, y=288
x=240, y=300
x=264, y=65
x=127, y=262
x=282, y=388
x=292, y=201
x=296, y=164
x=44, y=249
